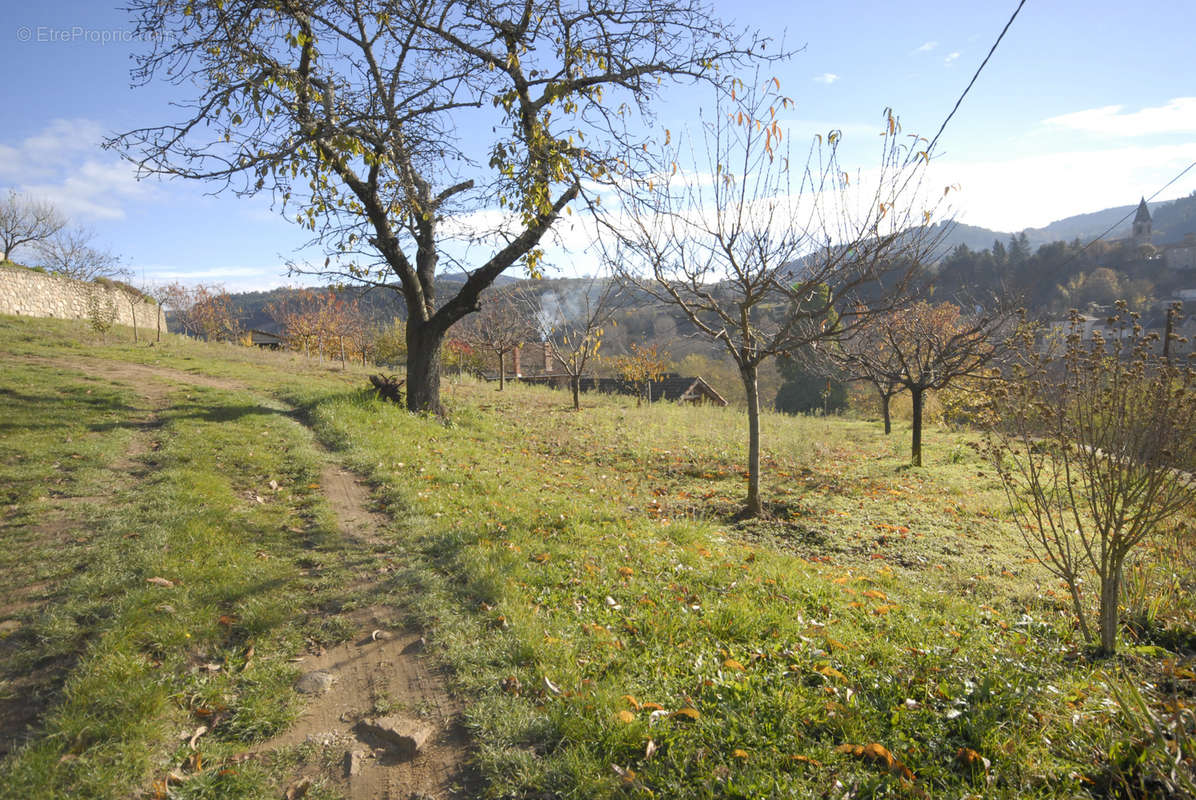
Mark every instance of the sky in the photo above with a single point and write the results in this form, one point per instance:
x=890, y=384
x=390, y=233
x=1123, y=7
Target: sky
x=1086, y=104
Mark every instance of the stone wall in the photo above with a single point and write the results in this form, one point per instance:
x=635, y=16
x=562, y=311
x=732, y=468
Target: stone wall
x=29, y=293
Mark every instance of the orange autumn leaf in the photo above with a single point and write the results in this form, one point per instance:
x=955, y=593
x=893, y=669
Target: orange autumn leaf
x=541, y=557
x=652, y=707
x=805, y=760
x=686, y=713
x=875, y=595
x=879, y=755
x=625, y=717
x=731, y=663
x=631, y=701
x=740, y=754
x=626, y=572
x=830, y=672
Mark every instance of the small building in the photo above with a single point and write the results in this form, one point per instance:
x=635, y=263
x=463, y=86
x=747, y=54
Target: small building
x=674, y=388
x=266, y=340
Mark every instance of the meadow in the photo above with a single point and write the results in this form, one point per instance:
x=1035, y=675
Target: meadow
x=611, y=625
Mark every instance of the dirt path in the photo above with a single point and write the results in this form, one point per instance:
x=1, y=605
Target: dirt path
x=381, y=674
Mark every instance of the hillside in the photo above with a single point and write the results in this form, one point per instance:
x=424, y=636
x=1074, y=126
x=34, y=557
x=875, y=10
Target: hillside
x=553, y=603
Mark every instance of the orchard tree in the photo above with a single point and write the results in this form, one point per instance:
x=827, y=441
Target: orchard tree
x=573, y=318
x=393, y=130
x=865, y=356
x=1095, y=448
x=639, y=367
x=503, y=325
x=926, y=347
x=766, y=255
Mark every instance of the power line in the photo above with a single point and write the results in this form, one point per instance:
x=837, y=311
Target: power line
x=979, y=69
x=1132, y=210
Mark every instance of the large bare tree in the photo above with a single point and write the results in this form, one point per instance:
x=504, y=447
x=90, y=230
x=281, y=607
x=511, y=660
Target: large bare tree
x=72, y=253
x=24, y=220
x=767, y=254
x=393, y=127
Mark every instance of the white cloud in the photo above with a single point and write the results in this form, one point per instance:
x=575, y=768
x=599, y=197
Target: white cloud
x=926, y=47
x=951, y=57
x=64, y=163
x=1177, y=116
x=827, y=77
x=1033, y=191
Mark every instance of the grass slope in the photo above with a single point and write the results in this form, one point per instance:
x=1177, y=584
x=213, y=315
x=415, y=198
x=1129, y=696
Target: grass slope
x=615, y=630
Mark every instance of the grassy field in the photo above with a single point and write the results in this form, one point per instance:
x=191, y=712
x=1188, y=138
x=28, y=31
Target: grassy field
x=612, y=627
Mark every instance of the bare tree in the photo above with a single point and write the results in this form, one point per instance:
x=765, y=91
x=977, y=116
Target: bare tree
x=767, y=256
x=362, y=119
x=24, y=220
x=71, y=252
x=925, y=347
x=1095, y=448
x=504, y=324
x=573, y=319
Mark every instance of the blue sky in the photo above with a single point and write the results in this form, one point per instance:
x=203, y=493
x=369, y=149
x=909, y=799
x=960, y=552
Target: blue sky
x=1085, y=105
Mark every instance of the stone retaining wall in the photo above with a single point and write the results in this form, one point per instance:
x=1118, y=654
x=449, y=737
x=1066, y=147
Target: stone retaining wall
x=29, y=293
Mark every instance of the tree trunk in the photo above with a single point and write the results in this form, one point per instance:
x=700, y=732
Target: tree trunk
x=752, y=390
x=575, y=384
x=885, y=400
x=917, y=447
x=1110, y=591
x=502, y=370
x=158, y=321
x=423, y=367
x=133, y=311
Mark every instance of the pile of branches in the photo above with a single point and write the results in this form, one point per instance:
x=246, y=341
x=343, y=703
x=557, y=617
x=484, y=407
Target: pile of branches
x=389, y=387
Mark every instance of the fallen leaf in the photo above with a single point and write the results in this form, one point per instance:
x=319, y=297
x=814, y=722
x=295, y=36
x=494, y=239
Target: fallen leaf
x=740, y=754
x=297, y=789
x=652, y=706
x=878, y=754
x=200, y=731
x=156, y=581
x=805, y=760
x=625, y=716
x=731, y=663
x=631, y=701
x=686, y=713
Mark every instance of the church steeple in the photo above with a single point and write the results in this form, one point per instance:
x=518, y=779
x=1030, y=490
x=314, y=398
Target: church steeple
x=1142, y=226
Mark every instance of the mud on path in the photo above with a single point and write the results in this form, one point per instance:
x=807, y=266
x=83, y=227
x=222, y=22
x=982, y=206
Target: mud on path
x=382, y=673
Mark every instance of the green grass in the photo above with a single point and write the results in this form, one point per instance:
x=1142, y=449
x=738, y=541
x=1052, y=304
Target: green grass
x=574, y=569
x=250, y=582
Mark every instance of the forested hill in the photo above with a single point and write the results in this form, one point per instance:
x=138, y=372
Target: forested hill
x=1171, y=220
x=1047, y=268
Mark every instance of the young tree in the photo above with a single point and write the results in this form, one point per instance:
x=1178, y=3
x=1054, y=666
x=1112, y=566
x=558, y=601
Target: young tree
x=1095, y=449
x=925, y=347
x=761, y=253
x=503, y=325
x=639, y=367
x=573, y=319
x=101, y=310
x=865, y=355
x=70, y=252
x=24, y=220
x=362, y=119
